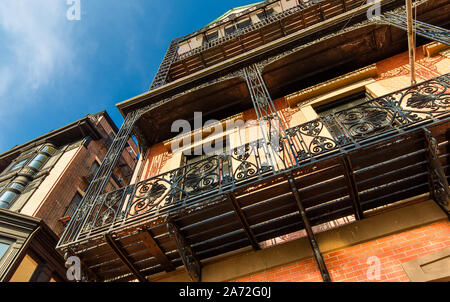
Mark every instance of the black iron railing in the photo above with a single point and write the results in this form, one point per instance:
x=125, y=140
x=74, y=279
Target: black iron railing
x=194, y=185
x=254, y=26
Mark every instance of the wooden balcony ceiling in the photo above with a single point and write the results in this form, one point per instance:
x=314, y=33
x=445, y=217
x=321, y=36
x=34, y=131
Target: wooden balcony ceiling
x=385, y=172
x=217, y=101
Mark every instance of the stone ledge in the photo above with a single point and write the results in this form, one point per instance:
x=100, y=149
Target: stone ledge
x=250, y=262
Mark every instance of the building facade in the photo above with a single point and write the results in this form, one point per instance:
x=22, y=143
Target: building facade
x=305, y=154
x=41, y=185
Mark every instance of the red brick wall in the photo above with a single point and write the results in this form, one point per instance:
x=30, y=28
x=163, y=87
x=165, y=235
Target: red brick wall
x=350, y=264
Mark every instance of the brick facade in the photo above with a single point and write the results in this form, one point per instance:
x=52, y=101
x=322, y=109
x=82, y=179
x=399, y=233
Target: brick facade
x=72, y=181
x=351, y=264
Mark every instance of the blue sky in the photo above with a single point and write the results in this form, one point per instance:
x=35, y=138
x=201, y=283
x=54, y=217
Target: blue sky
x=54, y=71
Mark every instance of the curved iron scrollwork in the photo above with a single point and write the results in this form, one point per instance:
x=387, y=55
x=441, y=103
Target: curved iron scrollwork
x=249, y=161
x=177, y=186
x=365, y=120
x=430, y=97
x=150, y=194
x=190, y=260
x=110, y=204
x=311, y=139
x=201, y=176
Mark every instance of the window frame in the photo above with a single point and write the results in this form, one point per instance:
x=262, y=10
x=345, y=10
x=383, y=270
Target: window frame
x=7, y=241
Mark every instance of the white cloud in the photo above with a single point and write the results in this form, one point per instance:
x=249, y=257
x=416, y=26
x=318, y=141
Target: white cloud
x=34, y=47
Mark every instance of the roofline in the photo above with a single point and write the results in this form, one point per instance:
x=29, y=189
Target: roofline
x=234, y=9
x=240, y=58
x=54, y=132
x=210, y=26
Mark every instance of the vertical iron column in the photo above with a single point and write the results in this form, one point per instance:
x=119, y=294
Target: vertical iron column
x=312, y=238
x=275, y=136
x=80, y=220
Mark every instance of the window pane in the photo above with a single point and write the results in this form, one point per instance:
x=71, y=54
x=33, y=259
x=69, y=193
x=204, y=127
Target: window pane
x=25, y=270
x=94, y=168
x=18, y=165
x=37, y=161
x=343, y=104
x=17, y=186
x=3, y=248
x=212, y=36
x=6, y=198
x=48, y=149
x=244, y=24
x=73, y=205
x=230, y=30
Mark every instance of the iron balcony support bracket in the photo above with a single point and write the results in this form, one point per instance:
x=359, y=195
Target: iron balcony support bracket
x=438, y=184
x=248, y=230
x=311, y=237
x=115, y=246
x=191, y=262
x=156, y=251
x=352, y=186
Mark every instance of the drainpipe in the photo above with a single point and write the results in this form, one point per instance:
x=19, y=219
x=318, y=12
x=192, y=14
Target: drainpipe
x=411, y=41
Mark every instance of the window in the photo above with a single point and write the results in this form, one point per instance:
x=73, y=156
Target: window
x=202, y=175
x=340, y=105
x=262, y=15
x=117, y=180
x=4, y=246
x=25, y=270
x=230, y=30
x=6, y=198
x=243, y=24
x=38, y=161
x=17, y=186
x=70, y=210
x=48, y=150
x=18, y=165
x=212, y=36
x=343, y=103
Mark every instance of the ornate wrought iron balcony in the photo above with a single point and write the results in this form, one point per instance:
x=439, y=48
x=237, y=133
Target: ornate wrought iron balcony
x=377, y=153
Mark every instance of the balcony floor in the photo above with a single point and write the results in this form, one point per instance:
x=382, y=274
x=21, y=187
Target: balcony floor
x=385, y=171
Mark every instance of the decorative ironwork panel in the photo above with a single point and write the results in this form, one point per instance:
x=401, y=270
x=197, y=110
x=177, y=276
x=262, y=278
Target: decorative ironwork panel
x=163, y=71
x=250, y=161
x=423, y=29
x=179, y=187
x=89, y=207
x=277, y=145
x=312, y=139
x=393, y=112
